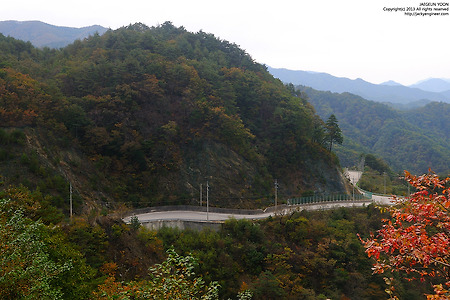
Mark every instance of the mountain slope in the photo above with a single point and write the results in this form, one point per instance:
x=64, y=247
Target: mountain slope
x=145, y=115
x=45, y=35
x=434, y=118
x=415, y=140
x=380, y=93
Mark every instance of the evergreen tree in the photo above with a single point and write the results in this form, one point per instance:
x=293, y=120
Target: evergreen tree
x=334, y=133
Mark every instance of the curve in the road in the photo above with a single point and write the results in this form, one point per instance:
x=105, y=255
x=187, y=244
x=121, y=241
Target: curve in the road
x=196, y=214
x=189, y=215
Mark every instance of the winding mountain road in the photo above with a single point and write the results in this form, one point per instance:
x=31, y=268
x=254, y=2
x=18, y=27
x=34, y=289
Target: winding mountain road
x=190, y=215
x=354, y=177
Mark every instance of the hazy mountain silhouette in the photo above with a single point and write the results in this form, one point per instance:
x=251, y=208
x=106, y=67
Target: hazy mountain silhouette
x=41, y=34
x=397, y=94
x=436, y=85
x=391, y=82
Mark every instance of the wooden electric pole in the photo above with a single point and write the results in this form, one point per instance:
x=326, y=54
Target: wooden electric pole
x=70, y=200
x=276, y=197
x=207, y=201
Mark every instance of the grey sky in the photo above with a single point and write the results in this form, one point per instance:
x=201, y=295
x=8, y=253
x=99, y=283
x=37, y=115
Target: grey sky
x=346, y=38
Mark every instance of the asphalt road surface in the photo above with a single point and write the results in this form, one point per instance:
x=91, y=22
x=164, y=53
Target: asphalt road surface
x=378, y=199
x=211, y=216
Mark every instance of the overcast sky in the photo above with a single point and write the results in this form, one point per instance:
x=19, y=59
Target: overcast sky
x=346, y=38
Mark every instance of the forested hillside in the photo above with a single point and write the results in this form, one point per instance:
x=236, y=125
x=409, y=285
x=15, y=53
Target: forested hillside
x=434, y=118
x=413, y=140
x=145, y=115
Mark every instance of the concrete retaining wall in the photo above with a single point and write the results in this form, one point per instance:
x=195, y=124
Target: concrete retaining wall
x=182, y=225
x=194, y=208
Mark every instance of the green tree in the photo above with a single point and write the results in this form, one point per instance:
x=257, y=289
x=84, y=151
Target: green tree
x=36, y=260
x=26, y=268
x=175, y=279
x=334, y=133
x=172, y=279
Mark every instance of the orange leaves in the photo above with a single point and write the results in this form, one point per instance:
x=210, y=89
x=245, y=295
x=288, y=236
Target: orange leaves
x=109, y=269
x=440, y=293
x=233, y=73
x=22, y=100
x=418, y=239
x=149, y=87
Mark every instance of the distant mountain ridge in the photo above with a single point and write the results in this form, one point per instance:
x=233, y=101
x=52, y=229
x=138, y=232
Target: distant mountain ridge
x=437, y=85
x=391, y=82
x=388, y=93
x=41, y=34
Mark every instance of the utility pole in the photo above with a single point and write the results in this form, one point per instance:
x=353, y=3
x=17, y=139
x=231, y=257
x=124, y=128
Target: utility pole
x=384, y=180
x=207, y=201
x=361, y=164
x=276, y=197
x=201, y=192
x=70, y=200
x=353, y=185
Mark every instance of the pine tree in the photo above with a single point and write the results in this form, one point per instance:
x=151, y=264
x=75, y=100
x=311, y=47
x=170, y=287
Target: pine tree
x=334, y=133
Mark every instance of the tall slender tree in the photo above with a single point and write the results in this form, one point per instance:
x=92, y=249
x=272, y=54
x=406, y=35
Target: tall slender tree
x=334, y=133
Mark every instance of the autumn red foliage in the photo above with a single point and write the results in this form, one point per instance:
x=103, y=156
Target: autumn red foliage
x=416, y=239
